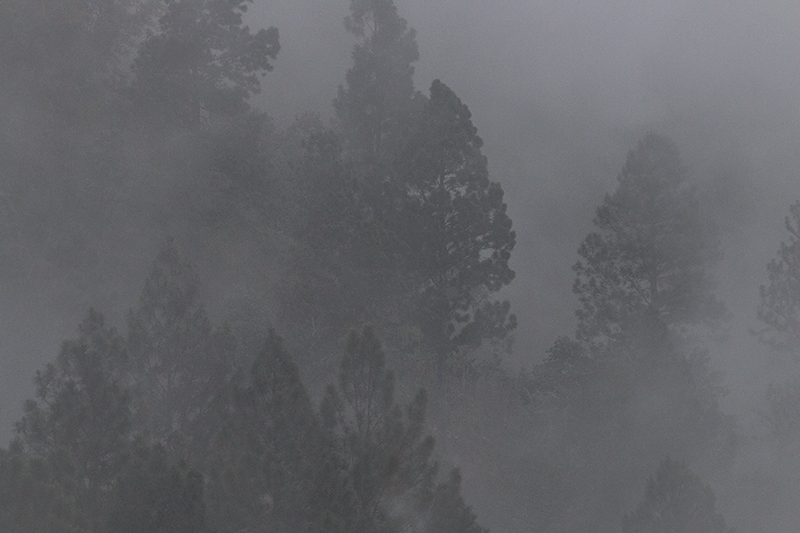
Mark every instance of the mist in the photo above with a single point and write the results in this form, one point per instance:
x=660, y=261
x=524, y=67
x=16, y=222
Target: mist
x=560, y=93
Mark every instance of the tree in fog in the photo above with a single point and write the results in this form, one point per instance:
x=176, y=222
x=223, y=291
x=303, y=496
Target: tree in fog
x=79, y=424
x=153, y=494
x=676, y=501
x=374, y=108
x=273, y=464
x=201, y=62
x=634, y=383
x=423, y=227
x=650, y=260
x=32, y=498
x=386, y=452
x=779, y=309
x=779, y=312
x=178, y=364
x=451, y=220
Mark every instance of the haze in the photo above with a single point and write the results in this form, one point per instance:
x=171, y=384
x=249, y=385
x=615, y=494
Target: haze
x=560, y=93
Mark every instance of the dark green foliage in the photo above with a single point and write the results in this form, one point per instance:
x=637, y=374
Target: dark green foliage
x=676, y=501
x=779, y=309
x=153, y=495
x=179, y=365
x=650, y=260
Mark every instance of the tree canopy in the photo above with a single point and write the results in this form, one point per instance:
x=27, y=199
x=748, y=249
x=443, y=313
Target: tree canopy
x=676, y=501
x=651, y=258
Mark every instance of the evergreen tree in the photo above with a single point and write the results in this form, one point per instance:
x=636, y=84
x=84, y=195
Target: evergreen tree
x=633, y=383
x=386, y=452
x=374, y=108
x=80, y=422
x=649, y=262
x=676, y=501
x=274, y=467
x=32, y=499
x=779, y=309
x=179, y=365
x=201, y=62
x=153, y=495
x=421, y=232
x=453, y=224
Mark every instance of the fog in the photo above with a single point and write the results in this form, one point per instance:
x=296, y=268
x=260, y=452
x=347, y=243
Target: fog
x=560, y=92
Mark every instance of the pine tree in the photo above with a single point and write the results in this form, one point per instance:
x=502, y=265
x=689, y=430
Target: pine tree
x=154, y=495
x=80, y=422
x=650, y=261
x=779, y=309
x=635, y=383
x=179, y=364
x=273, y=465
x=452, y=223
x=201, y=62
x=676, y=501
x=386, y=453
x=374, y=108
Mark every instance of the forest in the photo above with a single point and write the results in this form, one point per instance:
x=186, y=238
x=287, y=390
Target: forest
x=311, y=325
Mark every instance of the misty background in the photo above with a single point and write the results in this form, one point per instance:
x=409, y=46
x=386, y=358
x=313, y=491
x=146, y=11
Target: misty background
x=560, y=92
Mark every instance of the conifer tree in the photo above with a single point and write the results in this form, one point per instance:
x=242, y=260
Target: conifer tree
x=179, y=364
x=387, y=455
x=374, y=108
x=202, y=62
x=779, y=309
x=273, y=465
x=676, y=501
x=650, y=261
x=79, y=425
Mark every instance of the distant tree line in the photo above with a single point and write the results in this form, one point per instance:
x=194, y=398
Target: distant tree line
x=136, y=123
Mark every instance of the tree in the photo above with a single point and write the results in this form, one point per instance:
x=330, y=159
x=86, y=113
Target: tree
x=273, y=465
x=345, y=269
x=64, y=65
x=676, y=501
x=779, y=309
x=373, y=109
x=449, y=512
x=649, y=263
x=432, y=233
x=80, y=421
x=154, y=495
x=31, y=498
x=386, y=452
x=179, y=365
x=453, y=225
x=634, y=385
x=201, y=62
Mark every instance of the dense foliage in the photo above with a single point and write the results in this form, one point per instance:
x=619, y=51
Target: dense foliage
x=140, y=140
x=675, y=500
